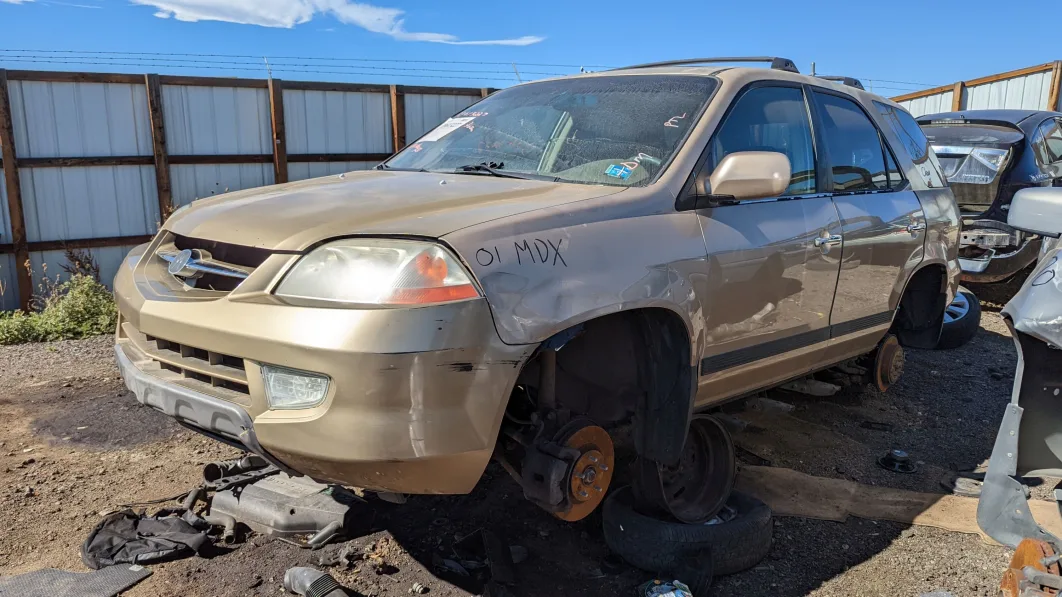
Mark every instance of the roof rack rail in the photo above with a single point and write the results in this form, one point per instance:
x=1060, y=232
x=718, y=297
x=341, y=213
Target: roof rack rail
x=849, y=81
x=776, y=63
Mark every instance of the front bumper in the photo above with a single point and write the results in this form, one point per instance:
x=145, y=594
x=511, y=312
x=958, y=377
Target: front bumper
x=415, y=401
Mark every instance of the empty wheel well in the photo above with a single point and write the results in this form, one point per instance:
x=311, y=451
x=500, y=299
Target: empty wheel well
x=921, y=311
x=629, y=367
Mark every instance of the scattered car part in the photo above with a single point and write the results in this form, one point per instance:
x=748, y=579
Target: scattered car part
x=661, y=588
x=888, y=363
x=962, y=318
x=311, y=582
x=105, y=582
x=283, y=506
x=696, y=488
x=812, y=387
x=962, y=486
x=127, y=537
x=215, y=471
x=1025, y=444
x=737, y=541
x=897, y=461
x=695, y=570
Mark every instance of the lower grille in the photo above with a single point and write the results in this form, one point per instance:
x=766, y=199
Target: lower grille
x=217, y=374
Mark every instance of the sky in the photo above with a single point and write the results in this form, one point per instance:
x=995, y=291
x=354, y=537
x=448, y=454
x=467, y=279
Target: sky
x=893, y=47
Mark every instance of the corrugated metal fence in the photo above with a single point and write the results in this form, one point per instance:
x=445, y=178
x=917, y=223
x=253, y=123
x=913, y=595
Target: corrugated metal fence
x=1033, y=88
x=96, y=161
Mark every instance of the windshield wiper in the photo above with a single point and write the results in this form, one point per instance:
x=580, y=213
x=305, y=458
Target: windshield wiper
x=495, y=169
x=387, y=167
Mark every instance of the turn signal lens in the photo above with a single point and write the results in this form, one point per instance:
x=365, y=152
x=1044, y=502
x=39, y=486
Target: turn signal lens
x=379, y=272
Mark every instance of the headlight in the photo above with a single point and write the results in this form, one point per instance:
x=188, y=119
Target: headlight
x=379, y=272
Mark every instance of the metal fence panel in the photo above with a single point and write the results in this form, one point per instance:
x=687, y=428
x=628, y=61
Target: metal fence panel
x=1029, y=92
x=337, y=122
x=930, y=104
x=424, y=112
x=49, y=264
x=196, y=182
x=79, y=119
x=216, y=120
x=8, y=283
x=5, y=218
x=304, y=170
x=89, y=202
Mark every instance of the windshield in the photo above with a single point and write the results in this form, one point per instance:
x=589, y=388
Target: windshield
x=617, y=130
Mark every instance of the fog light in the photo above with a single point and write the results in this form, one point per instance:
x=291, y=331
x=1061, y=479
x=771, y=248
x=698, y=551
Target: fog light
x=288, y=388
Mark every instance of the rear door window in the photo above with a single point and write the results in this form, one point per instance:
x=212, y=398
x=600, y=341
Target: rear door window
x=853, y=144
x=771, y=119
x=913, y=143
x=1052, y=140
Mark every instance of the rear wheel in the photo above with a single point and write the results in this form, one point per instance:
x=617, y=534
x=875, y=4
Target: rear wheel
x=961, y=320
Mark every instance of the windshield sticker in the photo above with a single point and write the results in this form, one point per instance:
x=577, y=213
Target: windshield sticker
x=671, y=121
x=451, y=125
x=620, y=170
x=473, y=114
x=417, y=147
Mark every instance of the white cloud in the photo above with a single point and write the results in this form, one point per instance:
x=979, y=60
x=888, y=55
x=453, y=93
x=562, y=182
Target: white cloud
x=288, y=13
x=17, y=1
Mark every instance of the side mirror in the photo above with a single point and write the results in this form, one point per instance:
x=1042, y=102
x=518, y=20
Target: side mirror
x=1037, y=210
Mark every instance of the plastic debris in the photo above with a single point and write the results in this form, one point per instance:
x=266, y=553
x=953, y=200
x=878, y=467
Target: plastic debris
x=660, y=588
x=418, y=589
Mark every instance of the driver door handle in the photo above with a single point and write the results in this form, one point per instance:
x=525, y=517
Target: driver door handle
x=915, y=227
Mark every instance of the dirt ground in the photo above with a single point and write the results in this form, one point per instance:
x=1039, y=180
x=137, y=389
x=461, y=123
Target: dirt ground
x=74, y=443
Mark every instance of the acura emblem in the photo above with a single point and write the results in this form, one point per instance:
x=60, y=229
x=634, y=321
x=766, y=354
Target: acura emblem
x=180, y=261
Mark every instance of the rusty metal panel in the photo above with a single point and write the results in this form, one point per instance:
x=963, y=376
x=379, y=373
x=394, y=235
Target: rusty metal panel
x=89, y=202
x=50, y=264
x=216, y=120
x=79, y=119
x=196, y=182
x=424, y=112
x=930, y=104
x=337, y=122
x=303, y=170
x=1029, y=92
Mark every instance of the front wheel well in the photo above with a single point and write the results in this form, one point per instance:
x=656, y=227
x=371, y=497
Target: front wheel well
x=920, y=314
x=628, y=367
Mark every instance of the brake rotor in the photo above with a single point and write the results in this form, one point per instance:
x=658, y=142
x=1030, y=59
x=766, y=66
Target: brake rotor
x=888, y=363
x=1030, y=552
x=589, y=477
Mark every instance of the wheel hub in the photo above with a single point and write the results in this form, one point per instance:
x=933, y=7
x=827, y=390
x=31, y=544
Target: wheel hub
x=888, y=363
x=1030, y=552
x=589, y=478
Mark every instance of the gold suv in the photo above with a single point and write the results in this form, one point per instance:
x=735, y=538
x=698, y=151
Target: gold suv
x=566, y=258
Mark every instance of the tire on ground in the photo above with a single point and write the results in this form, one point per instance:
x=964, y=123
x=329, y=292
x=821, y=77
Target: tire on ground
x=658, y=545
x=956, y=333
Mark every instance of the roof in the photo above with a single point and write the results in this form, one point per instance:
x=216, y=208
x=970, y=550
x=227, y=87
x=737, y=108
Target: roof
x=1014, y=117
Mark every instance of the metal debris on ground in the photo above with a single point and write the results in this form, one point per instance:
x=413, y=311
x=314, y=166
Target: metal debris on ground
x=418, y=589
x=659, y=588
x=897, y=461
x=313, y=583
x=50, y=582
x=812, y=387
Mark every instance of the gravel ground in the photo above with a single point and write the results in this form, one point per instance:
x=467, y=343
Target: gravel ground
x=75, y=443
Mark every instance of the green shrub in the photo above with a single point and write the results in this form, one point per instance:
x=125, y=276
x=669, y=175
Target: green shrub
x=77, y=308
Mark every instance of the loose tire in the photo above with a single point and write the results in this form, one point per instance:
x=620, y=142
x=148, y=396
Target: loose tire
x=961, y=320
x=658, y=545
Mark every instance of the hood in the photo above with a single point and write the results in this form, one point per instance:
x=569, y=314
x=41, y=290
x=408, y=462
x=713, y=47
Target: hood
x=293, y=216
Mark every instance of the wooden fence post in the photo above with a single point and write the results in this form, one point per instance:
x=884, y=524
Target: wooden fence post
x=398, y=119
x=280, y=146
x=158, y=146
x=956, y=96
x=1056, y=86
x=14, y=197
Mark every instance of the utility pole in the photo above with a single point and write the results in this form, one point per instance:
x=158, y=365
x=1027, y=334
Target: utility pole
x=518, y=79
x=813, y=69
